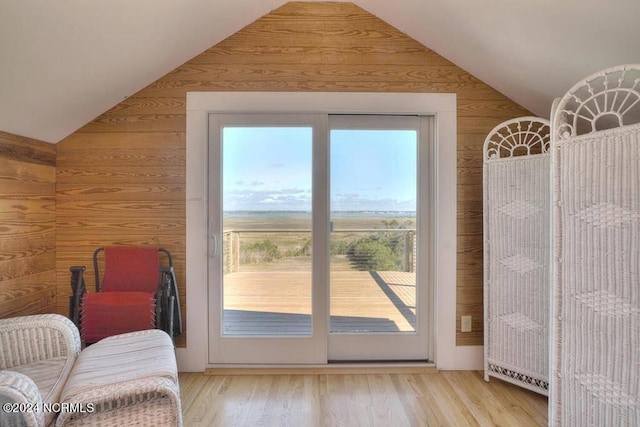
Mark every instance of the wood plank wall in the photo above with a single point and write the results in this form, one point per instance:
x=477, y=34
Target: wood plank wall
x=121, y=177
x=27, y=226
x=119, y=188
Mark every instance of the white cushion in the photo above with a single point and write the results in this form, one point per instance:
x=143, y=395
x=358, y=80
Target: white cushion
x=122, y=358
x=49, y=376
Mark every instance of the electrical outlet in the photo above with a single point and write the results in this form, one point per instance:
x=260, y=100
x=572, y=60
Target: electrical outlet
x=465, y=324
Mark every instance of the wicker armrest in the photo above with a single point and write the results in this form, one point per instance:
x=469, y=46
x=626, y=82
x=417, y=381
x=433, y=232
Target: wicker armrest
x=20, y=401
x=29, y=339
x=143, y=401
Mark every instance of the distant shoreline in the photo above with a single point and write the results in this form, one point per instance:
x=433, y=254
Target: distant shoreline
x=307, y=214
x=277, y=220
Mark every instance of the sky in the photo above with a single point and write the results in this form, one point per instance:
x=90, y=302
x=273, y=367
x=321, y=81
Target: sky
x=269, y=169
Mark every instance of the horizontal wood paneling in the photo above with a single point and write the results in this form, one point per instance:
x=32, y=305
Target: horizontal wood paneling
x=317, y=55
x=138, y=123
x=147, y=142
x=144, y=228
x=140, y=192
x=122, y=174
x=302, y=72
x=27, y=226
x=21, y=267
x=119, y=189
x=27, y=203
x=32, y=294
x=27, y=247
x=14, y=171
x=463, y=90
x=121, y=177
x=127, y=158
x=26, y=150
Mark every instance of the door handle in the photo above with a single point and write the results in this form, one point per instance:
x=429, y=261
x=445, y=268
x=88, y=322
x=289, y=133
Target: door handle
x=213, y=245
x=213, y=240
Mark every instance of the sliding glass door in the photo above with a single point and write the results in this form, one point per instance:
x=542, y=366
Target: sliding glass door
x=316, y=240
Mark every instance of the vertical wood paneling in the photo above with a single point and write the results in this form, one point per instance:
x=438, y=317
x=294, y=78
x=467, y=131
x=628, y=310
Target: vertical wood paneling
x=27, y=226
x=121, y=177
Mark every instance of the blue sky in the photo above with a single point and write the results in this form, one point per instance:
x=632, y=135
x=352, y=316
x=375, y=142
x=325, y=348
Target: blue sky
x=269, y=168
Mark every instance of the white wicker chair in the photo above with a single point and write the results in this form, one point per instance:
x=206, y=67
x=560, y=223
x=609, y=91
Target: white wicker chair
x=128, y=379
x=595, y=308
x=36, y=357
x=516, y=252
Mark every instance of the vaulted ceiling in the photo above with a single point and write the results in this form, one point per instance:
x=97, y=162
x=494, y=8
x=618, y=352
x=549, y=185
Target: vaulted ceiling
x=64, y=62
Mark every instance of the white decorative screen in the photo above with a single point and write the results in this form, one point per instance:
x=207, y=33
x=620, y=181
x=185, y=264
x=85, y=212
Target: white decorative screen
x=596, y=282
x=516, y=252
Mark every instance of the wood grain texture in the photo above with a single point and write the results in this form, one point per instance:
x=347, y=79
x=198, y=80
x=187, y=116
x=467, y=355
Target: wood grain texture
x=119, y=189
x=267, y=302
x=26, y=150
x=122, y=176
x=27, y=226
x=356, y=398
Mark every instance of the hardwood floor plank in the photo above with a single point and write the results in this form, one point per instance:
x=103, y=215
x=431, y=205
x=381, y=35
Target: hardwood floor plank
x=451, y=398
x=518, y=400
x=486, y=415
x=386, y=402
x=453, y=409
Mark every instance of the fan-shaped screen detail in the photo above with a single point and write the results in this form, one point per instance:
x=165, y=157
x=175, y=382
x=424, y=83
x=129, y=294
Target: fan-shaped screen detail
x=522, y=136
x=605, y=100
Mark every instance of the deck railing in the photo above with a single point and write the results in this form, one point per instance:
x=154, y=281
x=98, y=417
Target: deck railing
x=388, y=248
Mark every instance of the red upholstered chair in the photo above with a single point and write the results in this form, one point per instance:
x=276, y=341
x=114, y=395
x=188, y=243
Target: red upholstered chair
x=135, y=293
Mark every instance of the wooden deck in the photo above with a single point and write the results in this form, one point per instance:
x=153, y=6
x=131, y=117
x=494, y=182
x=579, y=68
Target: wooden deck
x=279, y=302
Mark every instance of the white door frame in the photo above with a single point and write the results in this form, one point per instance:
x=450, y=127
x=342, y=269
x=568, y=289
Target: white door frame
x=442, y=106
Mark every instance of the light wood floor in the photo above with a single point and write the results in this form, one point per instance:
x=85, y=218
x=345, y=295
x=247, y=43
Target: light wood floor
x=454, y=398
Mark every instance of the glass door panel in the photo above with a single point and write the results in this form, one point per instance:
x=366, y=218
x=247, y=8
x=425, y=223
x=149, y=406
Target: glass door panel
x=375, y=297
x=266, y=231
x=373, y=211
x=264, y=304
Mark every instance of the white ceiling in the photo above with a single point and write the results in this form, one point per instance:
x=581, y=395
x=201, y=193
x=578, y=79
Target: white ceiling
x=64, y=62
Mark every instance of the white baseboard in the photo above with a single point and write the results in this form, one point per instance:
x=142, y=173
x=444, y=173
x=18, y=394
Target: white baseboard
x=465, y=358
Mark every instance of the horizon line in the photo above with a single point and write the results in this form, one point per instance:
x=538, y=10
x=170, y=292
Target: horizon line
x=309, y=211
